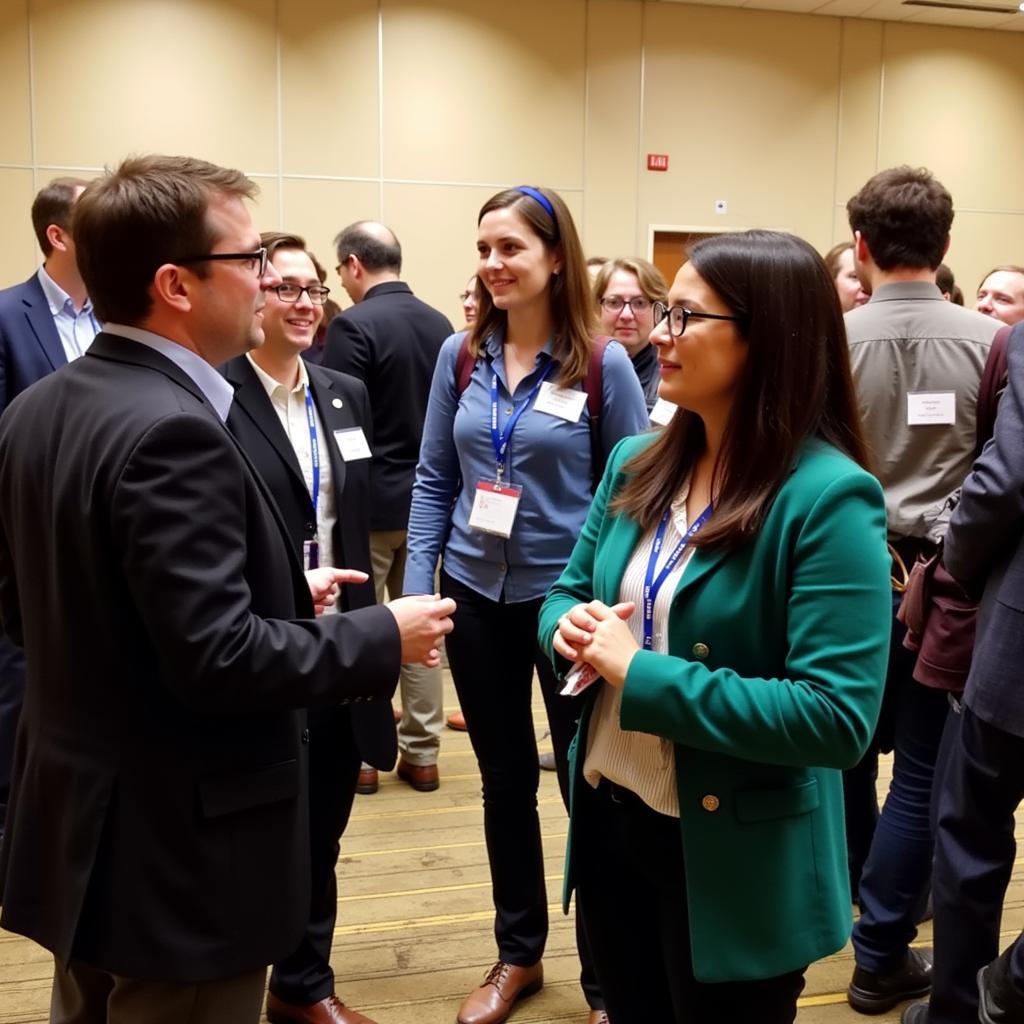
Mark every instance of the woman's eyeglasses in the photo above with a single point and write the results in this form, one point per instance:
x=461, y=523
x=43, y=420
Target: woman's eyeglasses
x=680, y=316
x=616, y=304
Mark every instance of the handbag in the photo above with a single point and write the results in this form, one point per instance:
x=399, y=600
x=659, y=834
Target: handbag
x=939, y=614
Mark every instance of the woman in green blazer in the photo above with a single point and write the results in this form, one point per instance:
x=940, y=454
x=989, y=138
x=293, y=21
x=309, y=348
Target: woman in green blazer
x=731, y=590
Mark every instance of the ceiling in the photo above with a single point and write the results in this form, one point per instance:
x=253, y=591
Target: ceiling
x=1001, y=15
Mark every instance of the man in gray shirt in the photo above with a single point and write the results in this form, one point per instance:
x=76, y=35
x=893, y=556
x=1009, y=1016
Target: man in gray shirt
x=917, y=363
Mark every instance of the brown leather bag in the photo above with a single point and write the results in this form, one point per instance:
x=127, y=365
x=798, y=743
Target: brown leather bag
x=939, y=614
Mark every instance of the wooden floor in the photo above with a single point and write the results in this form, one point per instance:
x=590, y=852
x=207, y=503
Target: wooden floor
x=415, y=920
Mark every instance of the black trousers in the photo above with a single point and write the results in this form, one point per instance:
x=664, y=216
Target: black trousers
x=631, y=892
x=12, y=690
x=492, y=653
x=305, y=977
x=981, y=782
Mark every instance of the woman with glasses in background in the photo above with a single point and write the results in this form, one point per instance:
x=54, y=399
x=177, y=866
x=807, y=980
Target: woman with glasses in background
x=730, y=590
x=625, y=291
x=502, y=488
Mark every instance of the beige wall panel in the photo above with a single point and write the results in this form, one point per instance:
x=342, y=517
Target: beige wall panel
x=953, y=103
x=19, y=255
x=744, y=103
x=614, y=48
x=266, y=209
x=840, y=228
x=484, y=92
x=979, y=242
x=860, y=92
x=318, y=210
x=177, y=76
x=16, y=137
x=329, y=96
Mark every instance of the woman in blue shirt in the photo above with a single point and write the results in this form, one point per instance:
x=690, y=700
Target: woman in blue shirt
x=502, y=489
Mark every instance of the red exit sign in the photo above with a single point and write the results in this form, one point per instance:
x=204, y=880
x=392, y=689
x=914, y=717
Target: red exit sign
x=657, y=161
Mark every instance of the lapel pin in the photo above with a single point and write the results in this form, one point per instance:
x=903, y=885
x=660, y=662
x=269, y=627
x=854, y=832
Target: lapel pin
x=337, y=403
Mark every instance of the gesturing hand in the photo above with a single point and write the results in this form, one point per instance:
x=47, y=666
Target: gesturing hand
x=323, y=584
x=422, y=620
x=598, y=635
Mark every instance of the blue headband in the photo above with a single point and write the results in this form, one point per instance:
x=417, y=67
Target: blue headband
x=539, y=196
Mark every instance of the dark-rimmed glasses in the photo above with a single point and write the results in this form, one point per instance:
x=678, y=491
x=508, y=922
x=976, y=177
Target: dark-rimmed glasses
x=258, y=259
x=680, y=316
x=290, y=292
x=616, y=304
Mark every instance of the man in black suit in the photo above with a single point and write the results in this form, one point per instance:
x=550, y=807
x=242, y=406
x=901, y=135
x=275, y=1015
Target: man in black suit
x=983, y=779
x=390, y=339
x=44, y=323
x=305, y=429
x=159, y=835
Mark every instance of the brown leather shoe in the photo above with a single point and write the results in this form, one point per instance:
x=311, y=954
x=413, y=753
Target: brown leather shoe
x=422, y=777
x=457, y=721
x=368, y=781
x=328, y=1011
x=598, y=1017
x=505, y=983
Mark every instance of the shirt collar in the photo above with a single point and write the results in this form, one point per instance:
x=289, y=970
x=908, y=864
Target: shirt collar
x=494, y=343
x=271, y=386
x=56, y=298
x=217, y=390
x=899, y=290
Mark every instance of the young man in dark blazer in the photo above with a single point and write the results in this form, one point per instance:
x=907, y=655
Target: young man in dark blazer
x=307, y=430
x=159, y=832
x=390, y=339
x=983, y=749
x=44, y=323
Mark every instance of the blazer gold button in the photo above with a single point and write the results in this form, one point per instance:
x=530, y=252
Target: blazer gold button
x=701, y=651
x=710, y=802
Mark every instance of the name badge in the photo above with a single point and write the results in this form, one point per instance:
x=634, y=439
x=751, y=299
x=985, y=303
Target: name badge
x=494, y=508
x=662, y=413
x=311, y=554
x=931, y=408
x=565, y=403
x=352, y=444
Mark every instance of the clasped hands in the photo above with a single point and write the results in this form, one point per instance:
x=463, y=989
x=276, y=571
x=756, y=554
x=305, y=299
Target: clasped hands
x=598, y=634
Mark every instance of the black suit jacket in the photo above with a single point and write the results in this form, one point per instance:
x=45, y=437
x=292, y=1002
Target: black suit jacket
x=30, y=346
x=256, y=425
x=390, y=341
x=984, y=545
x=158, y=823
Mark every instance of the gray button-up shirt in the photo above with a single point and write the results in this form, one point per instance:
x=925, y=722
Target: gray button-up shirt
x=917, y=357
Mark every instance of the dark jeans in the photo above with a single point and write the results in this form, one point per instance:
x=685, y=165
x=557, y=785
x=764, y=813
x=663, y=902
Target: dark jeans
x=631, y=889
x=982, y=783
x=305, y=976
x=895, y=882
x=492, y=653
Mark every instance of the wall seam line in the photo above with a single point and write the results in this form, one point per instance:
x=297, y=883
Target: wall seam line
x=646, y=246
x=280, y=118
x=380, y=108
x=31, y=97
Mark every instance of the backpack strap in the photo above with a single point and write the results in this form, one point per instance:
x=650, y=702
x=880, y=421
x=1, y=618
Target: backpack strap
x=464, y=363
x=993, y=380
x=594, y=387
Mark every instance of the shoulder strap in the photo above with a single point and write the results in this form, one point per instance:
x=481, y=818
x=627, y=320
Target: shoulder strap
x=993, y=380
x=464, y=363
x=594, y=386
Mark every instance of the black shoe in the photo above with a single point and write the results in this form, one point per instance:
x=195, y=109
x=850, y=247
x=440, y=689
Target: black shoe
x=915, y=1013
x=878, y=993
x=997, y=1002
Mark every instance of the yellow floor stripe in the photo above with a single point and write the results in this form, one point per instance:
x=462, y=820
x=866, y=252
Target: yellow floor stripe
x=424, y=922
x=422, y=812
x=350, y=857
x=461, y=887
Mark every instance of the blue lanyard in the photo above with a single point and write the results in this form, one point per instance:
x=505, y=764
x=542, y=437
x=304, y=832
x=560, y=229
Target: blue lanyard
x=500, y=439
x=652, y=585
x=314, y=449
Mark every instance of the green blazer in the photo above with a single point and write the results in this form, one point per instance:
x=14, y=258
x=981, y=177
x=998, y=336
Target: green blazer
x=772, y=684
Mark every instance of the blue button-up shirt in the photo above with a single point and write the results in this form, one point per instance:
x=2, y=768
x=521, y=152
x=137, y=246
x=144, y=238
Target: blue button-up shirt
x=76, y=328
x=548, y=457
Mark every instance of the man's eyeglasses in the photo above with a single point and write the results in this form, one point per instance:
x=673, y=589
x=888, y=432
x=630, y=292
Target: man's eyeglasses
x=257, y=260
x=616, y=304
x=290, y=292
x=680, y=316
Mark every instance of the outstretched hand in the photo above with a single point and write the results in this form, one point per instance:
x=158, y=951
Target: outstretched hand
x=324, y=581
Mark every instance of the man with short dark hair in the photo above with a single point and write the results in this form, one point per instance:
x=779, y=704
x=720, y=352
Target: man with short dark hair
x=917, y=363
x=44, y=323
x=159, y=832
x=390, y=339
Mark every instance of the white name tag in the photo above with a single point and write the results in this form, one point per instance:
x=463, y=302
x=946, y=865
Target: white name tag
x=494, y=508
x=565, y=403
x=663, y=411
x=352, y=444
x=928, y=408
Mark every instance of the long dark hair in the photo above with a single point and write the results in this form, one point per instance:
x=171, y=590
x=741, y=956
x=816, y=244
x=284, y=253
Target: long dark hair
x=796, y=384
x=571, y=303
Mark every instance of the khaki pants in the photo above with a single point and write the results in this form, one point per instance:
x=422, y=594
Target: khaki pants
x=86, y=995
x=419, y=732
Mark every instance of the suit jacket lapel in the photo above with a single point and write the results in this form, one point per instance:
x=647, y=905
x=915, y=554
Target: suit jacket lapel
x=40, y=320
x=333, y=417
